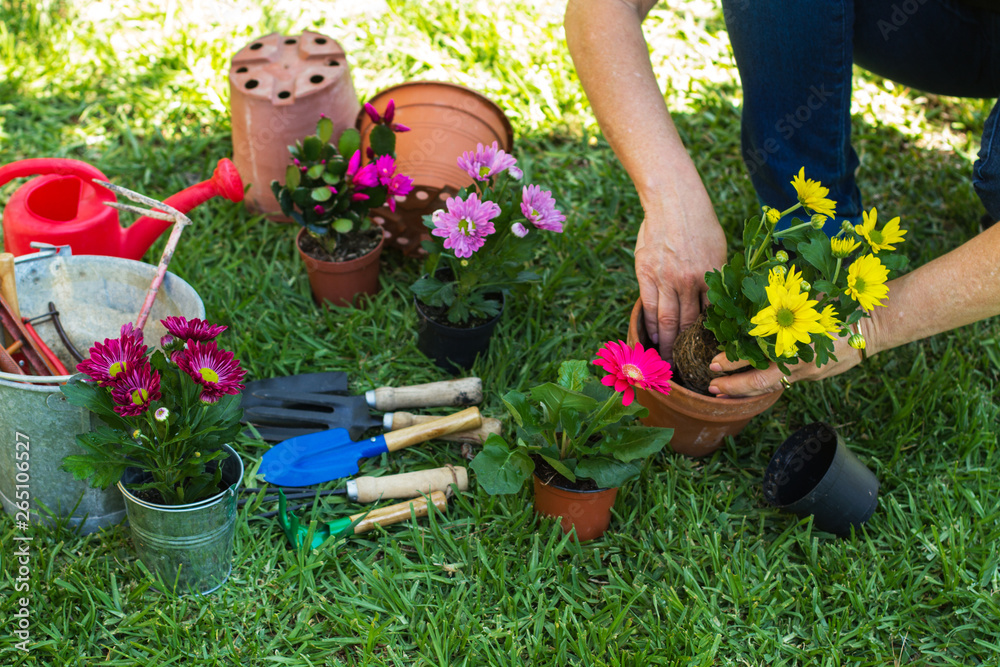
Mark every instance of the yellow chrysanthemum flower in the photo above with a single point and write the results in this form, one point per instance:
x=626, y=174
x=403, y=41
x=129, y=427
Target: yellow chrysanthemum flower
x=790, y=315
x=866, y=282
x=828, y=320
x=843, y=247
x=812, y=194
x=789, y=279
x=880, y=239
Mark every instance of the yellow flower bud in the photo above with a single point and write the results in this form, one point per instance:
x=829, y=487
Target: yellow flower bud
x=805, y=286
x=772, y=215
x=857, y=341
x=818, y=221
x=846, y=227
x=781, y=256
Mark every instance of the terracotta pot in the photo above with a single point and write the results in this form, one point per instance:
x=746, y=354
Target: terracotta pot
x=445, y=120
x=587, y=511
x=278, y=87
x=340, y=282
x=700, y=422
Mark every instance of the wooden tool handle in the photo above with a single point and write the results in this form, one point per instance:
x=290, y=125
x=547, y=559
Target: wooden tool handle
x=7, y=363
x=476, y=436
x=8, y=283
x=411, y=435
x=386, y=516
x=408, y=485
x=465, y=391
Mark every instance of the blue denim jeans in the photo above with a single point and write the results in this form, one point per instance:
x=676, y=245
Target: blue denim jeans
x=795, y=58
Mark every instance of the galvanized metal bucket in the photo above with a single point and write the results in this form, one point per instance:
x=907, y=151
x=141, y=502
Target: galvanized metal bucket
x=95, y=296
x=189, y=548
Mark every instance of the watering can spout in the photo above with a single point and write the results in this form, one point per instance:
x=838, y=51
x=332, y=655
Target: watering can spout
x=141, y=234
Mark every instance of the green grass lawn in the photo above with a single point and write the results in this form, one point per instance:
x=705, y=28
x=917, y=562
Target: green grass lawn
x=696, y=569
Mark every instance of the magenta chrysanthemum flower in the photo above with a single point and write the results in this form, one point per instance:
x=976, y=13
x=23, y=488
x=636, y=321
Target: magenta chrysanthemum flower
x=399, y=186
x=109, y=360
x=466, y=224
x=218, y=371
x=633, y=367
x=195, y=329
x=361, y=177
x=137, y=388
x=487, y=162
x=539, y=207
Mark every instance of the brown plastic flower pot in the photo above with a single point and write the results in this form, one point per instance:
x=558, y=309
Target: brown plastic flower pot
x=278, y=87
x=589, y=512
x=700, y=422
x=339, y=283
x=445, y=120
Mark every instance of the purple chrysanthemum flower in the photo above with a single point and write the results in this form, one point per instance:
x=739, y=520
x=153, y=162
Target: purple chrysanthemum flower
x=218, y=371
x=399, y=186
x=109, y=360
x=487, y=162
x=539, y=208
x=135, y=390
x=466, y=224
x=520, y=231
x=195, y=329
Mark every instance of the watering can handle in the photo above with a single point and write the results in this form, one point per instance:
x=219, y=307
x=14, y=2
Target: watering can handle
x=50, y=165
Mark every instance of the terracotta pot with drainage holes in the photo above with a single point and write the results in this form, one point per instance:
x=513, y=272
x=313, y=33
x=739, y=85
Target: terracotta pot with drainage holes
x=278, y=87
x=445, y=120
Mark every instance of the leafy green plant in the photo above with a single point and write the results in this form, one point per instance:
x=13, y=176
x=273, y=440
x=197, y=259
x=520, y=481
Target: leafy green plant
x=329, y=192
x=578, y=426
x=168, y=416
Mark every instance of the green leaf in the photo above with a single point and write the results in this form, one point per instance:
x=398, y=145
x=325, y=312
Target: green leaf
x=383, y=140
x=343, y=225
x=560, y=467
x=818, y=254
x=554, y=399
x=573, y=374
x=322, y=193
x=518, y=407
x=312, y=147
x=350, y=143
x=636, y=442
x=324, y=130
x=293, y=176
x=500, y=469
x=608, y=472
x=316, y=171
x=753, y=289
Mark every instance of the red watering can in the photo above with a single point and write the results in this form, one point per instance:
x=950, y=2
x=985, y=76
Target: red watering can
x=63, y=207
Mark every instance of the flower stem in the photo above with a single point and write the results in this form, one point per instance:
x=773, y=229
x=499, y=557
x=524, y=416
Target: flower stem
x=767, y=238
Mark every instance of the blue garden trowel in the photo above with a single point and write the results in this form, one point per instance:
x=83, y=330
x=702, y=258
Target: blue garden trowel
x=328, y=455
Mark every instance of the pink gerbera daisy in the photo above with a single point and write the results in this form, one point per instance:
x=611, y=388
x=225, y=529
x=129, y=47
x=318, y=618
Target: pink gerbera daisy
x=633, y=367
x=539, y=207
x=466, y=224
x=487, y=162
x=218, y=371
x=110, y=359
x=135, y=390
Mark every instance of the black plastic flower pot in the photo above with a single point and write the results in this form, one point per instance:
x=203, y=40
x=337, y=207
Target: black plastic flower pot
x=453, y=348
x=814, y=473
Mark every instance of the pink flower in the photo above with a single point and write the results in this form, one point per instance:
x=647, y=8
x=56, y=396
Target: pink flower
x=633, y=367
x=487, y=162
x=114, y=357
x=385, y=168
x=372, y=113
x=195, y=329
x=361, y=177
x=218, y=371
x=401, y=186
x=319, y=210
x=137, y=388
x=539, y=207
x=466, y=224
x=520, y=231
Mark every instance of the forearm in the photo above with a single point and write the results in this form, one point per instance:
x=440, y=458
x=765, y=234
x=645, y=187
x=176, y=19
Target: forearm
x=958, y=288
x=612, y=61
